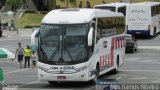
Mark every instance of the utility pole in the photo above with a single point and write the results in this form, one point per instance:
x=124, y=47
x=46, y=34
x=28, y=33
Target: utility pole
x=0, y=10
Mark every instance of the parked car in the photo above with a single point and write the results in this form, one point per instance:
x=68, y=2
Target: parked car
x=131, y=43
x=1, y=30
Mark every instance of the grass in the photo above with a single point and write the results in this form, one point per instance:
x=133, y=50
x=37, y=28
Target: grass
x=30, y=20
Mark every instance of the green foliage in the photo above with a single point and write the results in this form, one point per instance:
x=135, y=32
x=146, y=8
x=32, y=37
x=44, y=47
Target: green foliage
x=30, y=20
x=70, y=1
x=14, y=2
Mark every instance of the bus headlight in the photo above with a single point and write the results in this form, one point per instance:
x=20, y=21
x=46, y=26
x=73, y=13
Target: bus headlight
x=43, y=69
x=81, y=69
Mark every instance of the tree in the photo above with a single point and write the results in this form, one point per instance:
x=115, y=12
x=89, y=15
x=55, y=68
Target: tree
x=73, y=2
x=14, y=4
x=44, y=5
x=50, y=4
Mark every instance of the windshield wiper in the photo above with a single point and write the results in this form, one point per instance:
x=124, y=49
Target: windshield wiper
x=53, y=54
x=69, y=53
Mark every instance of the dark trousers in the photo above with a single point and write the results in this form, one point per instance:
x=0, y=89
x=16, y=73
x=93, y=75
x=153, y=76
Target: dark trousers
x=27, y=59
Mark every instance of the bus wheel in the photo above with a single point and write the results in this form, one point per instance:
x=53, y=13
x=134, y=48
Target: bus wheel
x=96, y=75
x=114, y=71
x=154, y=31
x=52, y=82
x=97, y=72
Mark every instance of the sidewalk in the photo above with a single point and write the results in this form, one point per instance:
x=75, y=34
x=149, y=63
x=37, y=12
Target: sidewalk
x=21, y=33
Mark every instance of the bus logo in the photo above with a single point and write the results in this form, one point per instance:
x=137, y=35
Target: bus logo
x=138, y=11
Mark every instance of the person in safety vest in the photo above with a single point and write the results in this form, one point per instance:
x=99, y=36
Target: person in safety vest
x=27, y=53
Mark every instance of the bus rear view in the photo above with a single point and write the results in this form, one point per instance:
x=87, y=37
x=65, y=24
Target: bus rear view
x=142, y=18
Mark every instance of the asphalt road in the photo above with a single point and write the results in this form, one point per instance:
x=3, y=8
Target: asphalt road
x=142, y=67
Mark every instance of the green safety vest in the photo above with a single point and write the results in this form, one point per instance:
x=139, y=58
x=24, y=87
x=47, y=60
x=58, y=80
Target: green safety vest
x=1, y=75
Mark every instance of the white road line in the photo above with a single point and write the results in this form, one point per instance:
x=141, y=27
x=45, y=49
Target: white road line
x=157, y=81
x=29, y=83
x=133, y=59
x=118, y=78
x=131, y=75
x=148, y=61
x=16, y=71
x=141, y=70
x=138, y=78
x=5, y=61
x=149, y=47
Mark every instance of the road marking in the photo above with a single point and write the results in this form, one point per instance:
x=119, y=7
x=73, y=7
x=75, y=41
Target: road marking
x=140, y=70
x=5, y=61
x=157, y=81
x=139, y=78
x=131, y=75
x=29, y=83
x=149, y=47
x=133, y=59
x=118, y=78
x=16, y=71
x=147, y=61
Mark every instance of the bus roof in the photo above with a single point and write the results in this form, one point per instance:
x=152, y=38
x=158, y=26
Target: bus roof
x=68, y=16
x=146, y=3
x=117, y=4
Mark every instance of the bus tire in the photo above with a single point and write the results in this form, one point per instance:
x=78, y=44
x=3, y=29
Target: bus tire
x=154, y=31
x=114, y=71
x=96, y=74
x=97, y=71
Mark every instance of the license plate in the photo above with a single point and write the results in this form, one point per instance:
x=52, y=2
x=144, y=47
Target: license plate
x=138, y=32
x=61, y=77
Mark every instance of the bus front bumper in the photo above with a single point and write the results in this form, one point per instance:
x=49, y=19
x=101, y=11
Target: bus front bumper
x=79, y=76
x=138, y=32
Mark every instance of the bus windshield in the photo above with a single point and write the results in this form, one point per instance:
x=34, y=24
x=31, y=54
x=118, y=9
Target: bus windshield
x=63, y=44
x=111, y=8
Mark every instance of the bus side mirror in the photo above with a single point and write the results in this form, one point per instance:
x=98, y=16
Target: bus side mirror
x=34, y=35
x=90, y=36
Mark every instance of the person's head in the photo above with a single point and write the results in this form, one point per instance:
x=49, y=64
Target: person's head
x=33, y=52
x=27, y=46
x=19, y=44
x=103, y=2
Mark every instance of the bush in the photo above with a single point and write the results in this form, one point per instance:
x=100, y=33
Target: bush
x=29, y=26
x=30, y=11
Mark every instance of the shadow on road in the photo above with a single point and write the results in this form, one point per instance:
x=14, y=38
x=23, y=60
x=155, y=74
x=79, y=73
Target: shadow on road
x=146, y=37
x=63, y=85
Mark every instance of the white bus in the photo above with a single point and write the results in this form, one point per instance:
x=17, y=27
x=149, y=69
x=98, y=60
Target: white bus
x=143, y=18
x=80, y=44
x=115, y=7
